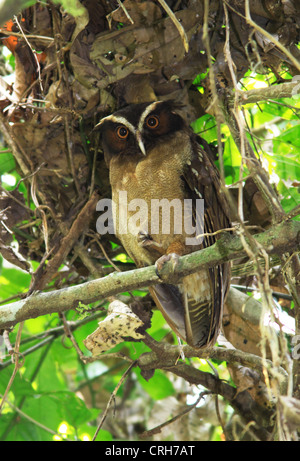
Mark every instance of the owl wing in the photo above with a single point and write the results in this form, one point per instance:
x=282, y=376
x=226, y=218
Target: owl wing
x=194, y=308
x=201, y=180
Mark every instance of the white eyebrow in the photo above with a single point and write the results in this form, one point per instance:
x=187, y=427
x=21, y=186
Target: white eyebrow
x=146, y=112
x=118, y=119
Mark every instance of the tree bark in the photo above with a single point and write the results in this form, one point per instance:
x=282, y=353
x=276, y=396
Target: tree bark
x=277, y=239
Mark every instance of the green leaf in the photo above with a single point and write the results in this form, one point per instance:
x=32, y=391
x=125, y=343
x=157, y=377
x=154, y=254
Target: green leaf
x=278, y=110
x=13, y=281
x=103, y=436
x=291, y=196
x=72, y=409
x=290, y=136
x=284, y=166
x=54, y=408
x=158, y=387
x=72, y=6
x=22, y=431
x=7, y=163
x=206, y=127
x=51, y=377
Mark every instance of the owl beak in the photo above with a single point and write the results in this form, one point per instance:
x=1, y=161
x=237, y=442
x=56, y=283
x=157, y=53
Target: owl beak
x=139, y=139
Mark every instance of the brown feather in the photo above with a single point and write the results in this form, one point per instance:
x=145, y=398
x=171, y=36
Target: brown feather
x=203, y=176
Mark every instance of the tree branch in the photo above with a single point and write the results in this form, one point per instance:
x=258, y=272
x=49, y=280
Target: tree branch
x=283, y=90
x=165, y=357
x=242, y=402
x=282, y=237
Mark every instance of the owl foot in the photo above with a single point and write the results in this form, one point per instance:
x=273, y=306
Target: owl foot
x=146, y=241
x=160, y=263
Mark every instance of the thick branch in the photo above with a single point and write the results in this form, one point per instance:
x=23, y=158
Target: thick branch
x=242, y=402
x=166, y=357
x=283, y=90
x=278, y=239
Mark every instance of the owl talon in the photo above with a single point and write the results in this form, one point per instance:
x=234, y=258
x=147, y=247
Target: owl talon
x=159, y=264
x=145, y=240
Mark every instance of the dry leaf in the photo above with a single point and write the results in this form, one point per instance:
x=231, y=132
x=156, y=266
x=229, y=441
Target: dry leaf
x=131, y=50
x=291, y=411
x=16, y=259
x=241, y=322
x=119, y=324
x=139, y=13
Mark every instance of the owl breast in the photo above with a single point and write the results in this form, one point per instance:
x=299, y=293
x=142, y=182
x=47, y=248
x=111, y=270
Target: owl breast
x=138, y=210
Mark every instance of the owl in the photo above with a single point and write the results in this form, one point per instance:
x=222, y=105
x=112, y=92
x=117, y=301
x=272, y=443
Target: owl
x=159, y=173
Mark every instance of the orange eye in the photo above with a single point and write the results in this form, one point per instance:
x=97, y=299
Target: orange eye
x=122, y=132
x=152, y=121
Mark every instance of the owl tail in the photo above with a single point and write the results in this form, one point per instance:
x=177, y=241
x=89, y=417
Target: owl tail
x=194, y=318
x=199, y=322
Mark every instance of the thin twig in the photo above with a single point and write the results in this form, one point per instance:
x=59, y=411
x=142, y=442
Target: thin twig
x=276, y=294
x=112, y=397
x=48, y=336
x=41, y=211
x=29, y=175
x=157, y=429
x=293, y=213
x=33, y=52
x=29, y=36
x=70, y=335
x=211, y=75
x=69, y=144
x=7, y=342
x=125, y=11
x=269, y=36
x=239, y=119
x=16, y=368
x=31, y=420
x=177, y=24
x=96, y=239
x=17, y=150
x=15, y=199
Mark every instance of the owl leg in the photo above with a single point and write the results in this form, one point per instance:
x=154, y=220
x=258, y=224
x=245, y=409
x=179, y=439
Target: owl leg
x=159, y=264
x=146, y=241
x=174, y=251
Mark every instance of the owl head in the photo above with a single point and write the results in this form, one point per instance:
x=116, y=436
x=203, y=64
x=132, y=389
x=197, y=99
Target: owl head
x=132, y=131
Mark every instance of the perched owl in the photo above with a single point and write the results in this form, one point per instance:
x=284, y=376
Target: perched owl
x=156, y=160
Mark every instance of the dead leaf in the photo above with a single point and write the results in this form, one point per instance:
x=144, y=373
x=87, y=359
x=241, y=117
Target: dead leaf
x=138, y=12
x=241, y=322
x=120, y=323
x=131, y=50
x=291, y=411
x=16, y=259
x=81, y=19
x=11, y=213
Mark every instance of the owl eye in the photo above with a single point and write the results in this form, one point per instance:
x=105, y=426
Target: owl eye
x=152, y=121
x=122, y=132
